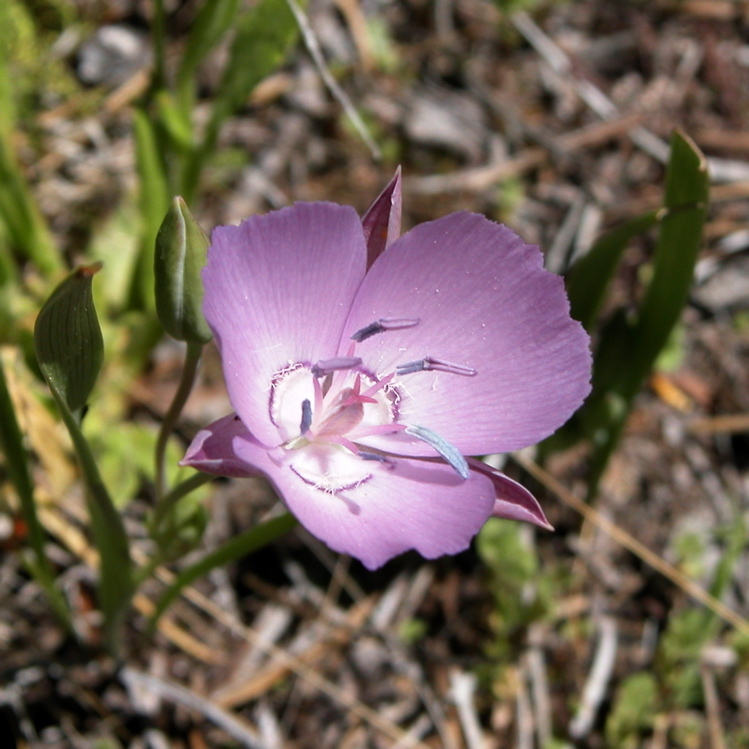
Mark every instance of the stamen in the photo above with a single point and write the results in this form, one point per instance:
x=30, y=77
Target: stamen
x=450, y=453
x=432, y=364
x=388, y=462
x=383, y=324
x=372, y=456
x=306, y=417
x=378, y=385
x=326, y=366
x=378, y=429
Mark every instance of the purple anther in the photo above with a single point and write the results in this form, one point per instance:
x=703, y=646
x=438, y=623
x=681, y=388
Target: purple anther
x=326, y=366
x=383, y=324
x=306, y=422
x=430, y=364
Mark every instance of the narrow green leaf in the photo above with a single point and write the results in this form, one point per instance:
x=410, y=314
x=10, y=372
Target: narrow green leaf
x=68, y=341
x=26, y=229
x=213, y=20
x=7, y=105
x=176, y=123
x=629, y=345
x=236, y=548
x=69, y=349
x=590, y=277
x=24, y=223
x=679, y=242
x=154, y=203
x=263, y=37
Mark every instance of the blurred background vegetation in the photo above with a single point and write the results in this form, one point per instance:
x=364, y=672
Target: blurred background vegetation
x=612, y=134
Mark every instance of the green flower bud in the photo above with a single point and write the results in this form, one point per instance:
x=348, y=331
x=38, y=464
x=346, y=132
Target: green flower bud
x=68, y=341
x=181, y=247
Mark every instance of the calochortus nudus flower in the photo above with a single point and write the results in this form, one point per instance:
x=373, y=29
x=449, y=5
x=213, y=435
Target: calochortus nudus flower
x=364, y=366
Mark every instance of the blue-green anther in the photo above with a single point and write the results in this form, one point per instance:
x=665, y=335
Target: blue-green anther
x=449, y=452
x=181, y=247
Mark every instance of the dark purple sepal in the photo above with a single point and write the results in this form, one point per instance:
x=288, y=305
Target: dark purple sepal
x=512, y=500
x=382, y=221
x=212, y=450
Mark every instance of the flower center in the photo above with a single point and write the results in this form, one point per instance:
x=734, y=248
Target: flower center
x=322, y=410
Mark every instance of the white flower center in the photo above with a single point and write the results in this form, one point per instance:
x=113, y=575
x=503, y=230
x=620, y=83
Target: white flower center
x=320, y=415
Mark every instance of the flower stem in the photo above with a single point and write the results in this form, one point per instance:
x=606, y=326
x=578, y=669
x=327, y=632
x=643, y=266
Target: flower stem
x=167, y=502
x=189, y=372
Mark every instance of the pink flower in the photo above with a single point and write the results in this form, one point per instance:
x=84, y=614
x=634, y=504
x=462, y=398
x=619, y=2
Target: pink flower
x=363, y=367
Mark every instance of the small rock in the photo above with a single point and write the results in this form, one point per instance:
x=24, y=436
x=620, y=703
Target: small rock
x=728, y=287
x=447, y=119
x=112, y=55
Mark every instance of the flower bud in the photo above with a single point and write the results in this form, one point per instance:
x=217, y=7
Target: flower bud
x=181, y=247
x=68, y=341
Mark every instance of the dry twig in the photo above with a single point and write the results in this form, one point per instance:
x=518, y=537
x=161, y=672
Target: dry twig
x=689, y=586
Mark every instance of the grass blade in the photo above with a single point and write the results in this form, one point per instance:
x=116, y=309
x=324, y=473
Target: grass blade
x=264, y=35
x=154, y=203
x=213, y=20
x=590, y=277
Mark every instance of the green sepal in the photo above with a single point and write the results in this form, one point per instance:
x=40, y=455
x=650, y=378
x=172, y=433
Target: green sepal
x=181, y=247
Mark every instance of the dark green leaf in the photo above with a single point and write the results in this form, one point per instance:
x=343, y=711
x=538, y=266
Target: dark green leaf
x=631, y=342
x=263, y=36
x=679, y=242
x=213, y=20
x=154, y=203
x=590, y=277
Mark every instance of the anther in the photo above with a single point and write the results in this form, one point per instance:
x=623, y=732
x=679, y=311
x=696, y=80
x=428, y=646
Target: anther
x=306, y=417
x=326, y=366
x=449, y=452
x=383, y=324
x=373, y=456
x=431, y=364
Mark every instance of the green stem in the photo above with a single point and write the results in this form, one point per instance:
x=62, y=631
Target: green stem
x=115, y=573
x=189, y=372
x=169, y=500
